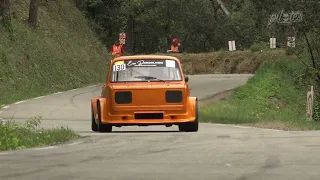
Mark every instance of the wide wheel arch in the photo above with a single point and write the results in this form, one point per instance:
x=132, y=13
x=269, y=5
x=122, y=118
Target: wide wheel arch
x=102, y=103
x=194, y=125
x=193, y=101
x=94, y=107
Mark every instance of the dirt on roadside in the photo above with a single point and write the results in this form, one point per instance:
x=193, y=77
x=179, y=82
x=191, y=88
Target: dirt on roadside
x=222, y=96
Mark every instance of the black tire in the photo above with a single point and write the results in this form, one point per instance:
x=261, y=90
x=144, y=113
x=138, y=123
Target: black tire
x=182, y=127
x=94, y=126
x=102, y=127
x=191, y=126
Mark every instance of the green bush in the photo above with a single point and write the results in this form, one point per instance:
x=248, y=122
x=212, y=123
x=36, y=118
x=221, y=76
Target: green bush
x=316, y=110
x=290, y=51
x=18, y=136
x=258, y=47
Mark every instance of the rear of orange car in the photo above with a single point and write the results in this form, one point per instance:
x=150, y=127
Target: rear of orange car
x=134, y=97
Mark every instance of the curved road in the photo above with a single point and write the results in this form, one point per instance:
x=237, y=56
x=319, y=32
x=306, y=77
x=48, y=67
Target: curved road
x=137, y=153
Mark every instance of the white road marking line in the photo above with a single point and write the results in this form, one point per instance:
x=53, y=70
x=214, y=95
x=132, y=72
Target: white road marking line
x=92, y=86
x=252, y=127
x=272, y=129
x=4, y=153
x=244, y=127
x=5, y=107
x=75, y=143
x=19, y=102
x=229, y=165
x=249, y=127
x=38, y=97
x=45, y=148
x=220, y=124
x=58, y=93
x=72, y=89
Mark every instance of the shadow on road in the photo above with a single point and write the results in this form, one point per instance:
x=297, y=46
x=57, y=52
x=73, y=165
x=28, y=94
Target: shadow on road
x=143, y=131
x=120, y=132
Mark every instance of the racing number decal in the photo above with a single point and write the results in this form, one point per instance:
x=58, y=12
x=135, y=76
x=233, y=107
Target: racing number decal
x=119, y=67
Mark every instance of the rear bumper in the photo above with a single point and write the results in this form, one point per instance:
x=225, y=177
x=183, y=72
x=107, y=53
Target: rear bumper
x=170, y=115
x=129, y=118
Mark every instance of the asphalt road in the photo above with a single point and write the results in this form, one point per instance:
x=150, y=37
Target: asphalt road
x=73, y=108
x=136, y=153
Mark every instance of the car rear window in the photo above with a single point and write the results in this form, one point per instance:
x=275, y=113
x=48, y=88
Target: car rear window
x=145, y=70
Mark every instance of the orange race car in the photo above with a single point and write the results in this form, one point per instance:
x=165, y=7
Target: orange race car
x=145, y=90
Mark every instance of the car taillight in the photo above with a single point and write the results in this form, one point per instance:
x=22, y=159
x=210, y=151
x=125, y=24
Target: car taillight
x=123, y=97
x=174, y=96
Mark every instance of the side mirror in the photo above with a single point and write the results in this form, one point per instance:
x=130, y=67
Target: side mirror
x=186, y=78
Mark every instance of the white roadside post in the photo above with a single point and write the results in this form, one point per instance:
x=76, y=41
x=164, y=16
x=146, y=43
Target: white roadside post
x=273, y=43
x=232, y=45
x=310, y=104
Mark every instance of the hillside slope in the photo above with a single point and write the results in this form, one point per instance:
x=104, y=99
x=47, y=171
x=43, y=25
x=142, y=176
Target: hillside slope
x=62, y=53
x=225, y=62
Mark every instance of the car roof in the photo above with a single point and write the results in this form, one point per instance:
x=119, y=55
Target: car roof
x=142, y=57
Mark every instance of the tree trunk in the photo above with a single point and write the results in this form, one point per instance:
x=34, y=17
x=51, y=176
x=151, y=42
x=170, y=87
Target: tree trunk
x=129, y=33
x=33, y=13
x=4, y=9
x=80, y=4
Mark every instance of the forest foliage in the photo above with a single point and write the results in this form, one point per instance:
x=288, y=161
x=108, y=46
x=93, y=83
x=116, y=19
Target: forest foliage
x=201, y=25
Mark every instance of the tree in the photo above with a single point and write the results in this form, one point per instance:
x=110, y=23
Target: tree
x=4, y=9
x=81, y=4
x=201, y=25
x=33, y=13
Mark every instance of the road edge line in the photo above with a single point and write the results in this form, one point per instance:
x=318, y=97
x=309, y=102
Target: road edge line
x=4, y=106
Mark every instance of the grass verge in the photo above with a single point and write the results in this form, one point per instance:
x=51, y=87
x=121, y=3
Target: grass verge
x=272, y=98
x=62, y=53
x=14, y=136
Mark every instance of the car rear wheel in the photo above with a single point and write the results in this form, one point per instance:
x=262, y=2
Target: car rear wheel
x=103, y=127
x=94, y=126
x=191, y=126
